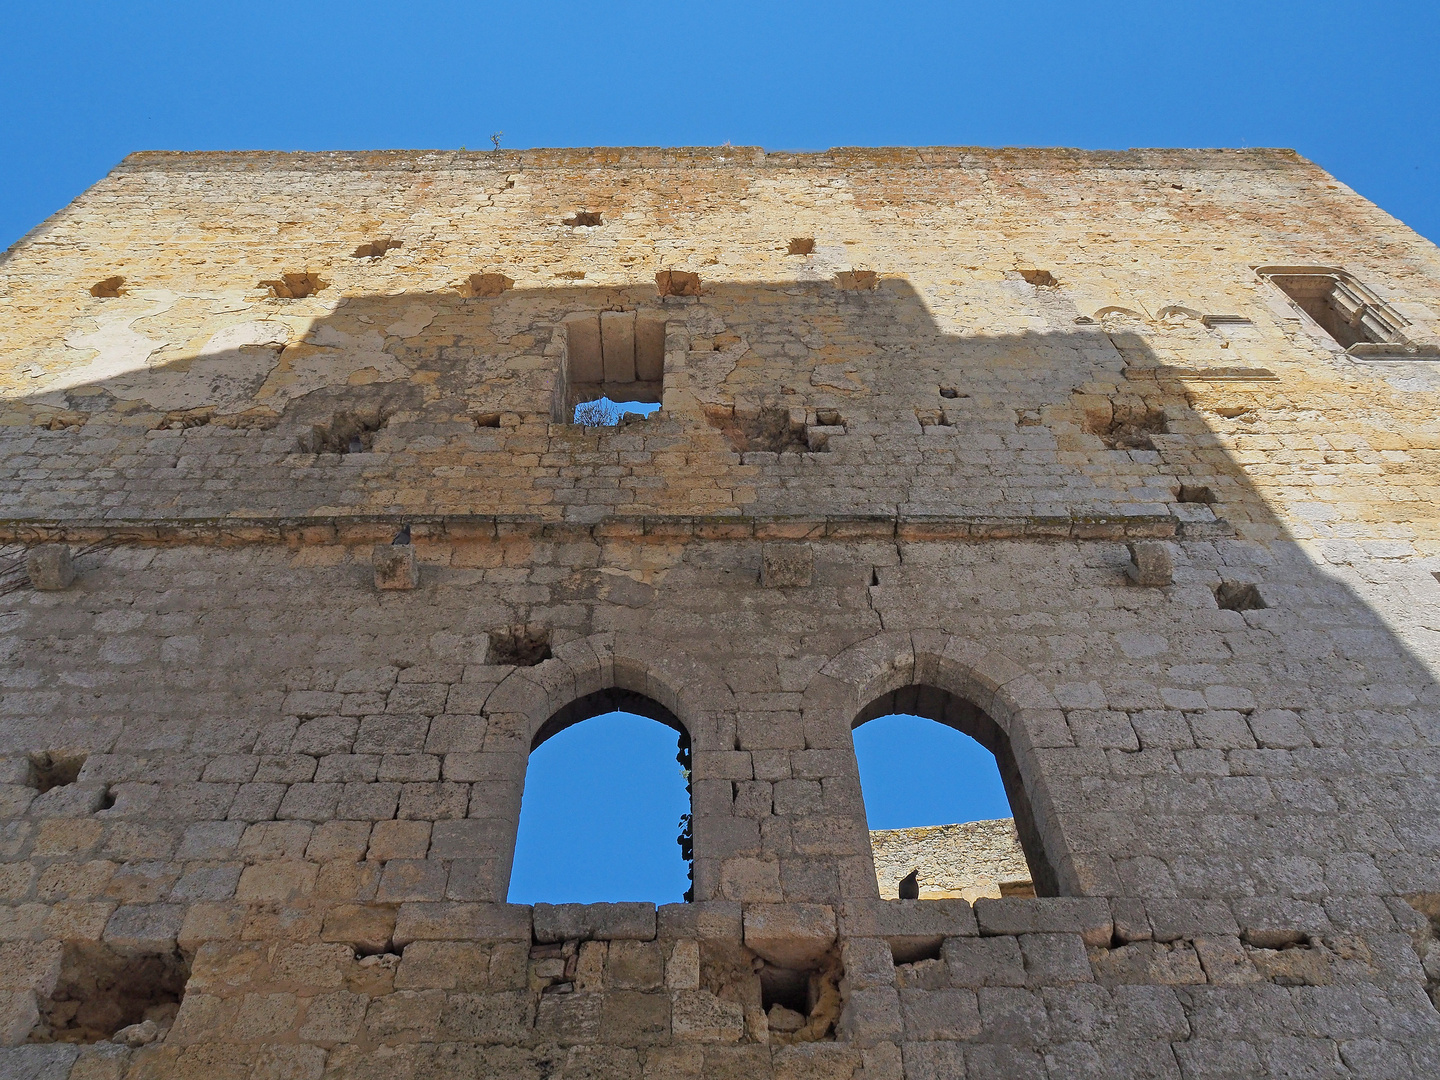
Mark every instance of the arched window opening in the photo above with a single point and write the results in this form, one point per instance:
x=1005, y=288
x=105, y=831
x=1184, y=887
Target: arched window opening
x=944, y=801
x=605, y=815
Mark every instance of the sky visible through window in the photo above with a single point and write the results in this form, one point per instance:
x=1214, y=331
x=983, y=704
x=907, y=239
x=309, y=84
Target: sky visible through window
x=914, y=771
x=602, y=412
x=600, y=817
x=604, y=798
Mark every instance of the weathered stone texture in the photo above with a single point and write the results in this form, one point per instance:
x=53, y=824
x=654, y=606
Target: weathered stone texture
x=1016, y=440
x=968, y=860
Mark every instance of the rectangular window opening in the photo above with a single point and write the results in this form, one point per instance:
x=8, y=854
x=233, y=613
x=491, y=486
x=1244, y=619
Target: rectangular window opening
x=1338, y=304
x=614, y=367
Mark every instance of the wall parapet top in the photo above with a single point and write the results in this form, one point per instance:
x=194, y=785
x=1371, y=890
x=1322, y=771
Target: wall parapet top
x=1250, y=159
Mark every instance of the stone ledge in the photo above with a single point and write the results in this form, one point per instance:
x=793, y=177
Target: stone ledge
x=449, y=528
x=1088, y=916
x=891, y=919
x=431, y=921
x=594, y=922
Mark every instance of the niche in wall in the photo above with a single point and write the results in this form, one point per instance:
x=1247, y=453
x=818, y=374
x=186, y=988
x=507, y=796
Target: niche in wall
x=614, y=354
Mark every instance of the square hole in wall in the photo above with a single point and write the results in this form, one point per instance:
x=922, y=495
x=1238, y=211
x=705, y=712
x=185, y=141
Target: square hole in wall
x=347, y=433
x=1195, y=493
x=51, y=770
x=801, y=1004
x=294, y=286
x=523, y=646
x=1239, y=596
x=101, y=992
x=375, y=249
x=802, y=245
x=616, y=355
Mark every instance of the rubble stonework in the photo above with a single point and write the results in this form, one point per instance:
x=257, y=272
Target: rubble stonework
x=924, y=414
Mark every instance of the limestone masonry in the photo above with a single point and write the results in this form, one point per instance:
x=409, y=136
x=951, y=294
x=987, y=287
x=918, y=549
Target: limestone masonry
x=1125, y=464
x=968, y=861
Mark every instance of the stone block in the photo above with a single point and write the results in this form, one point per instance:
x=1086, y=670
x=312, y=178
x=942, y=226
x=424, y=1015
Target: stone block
x=1225, y=961
x=898, y=920
x=569, y=1017
x=787, y=565
x=635, y=965
x=27, y=965
x=19, y=1014
x=486, y=1018
x=649, y=349
x=1055, y=959
x=682, y=966
x=790, y=935
x=1012, y=1016
x=940, y=1014
x=584, y=361
x=1148, y=962
x=477, y=879
x=868, y=962
x=399, y=840
x=461, y=922
x=144, y=928
x=1272, y=922
x=49, y=567
x=1087, y=916
x=594, y=922
x=412, y=880
x=276, y=882
x=1174, y=918
x=1151, y=563
x=617, y=345
x=395, y=566
x=69, y=801
x=471, y=838
x=634, y=1017
x=870, y=1016
x=211, y=922
x=700, y=1016
x=444, y=965
x=368, y=927
x=985, y=961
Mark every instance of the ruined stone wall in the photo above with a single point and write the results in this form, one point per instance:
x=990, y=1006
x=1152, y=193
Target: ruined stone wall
x=1136, y=522
x=961, y=861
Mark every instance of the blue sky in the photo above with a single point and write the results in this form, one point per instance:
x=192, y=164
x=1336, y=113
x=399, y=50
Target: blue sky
x=603, y=801
x=601, y=812
x=1353, y=87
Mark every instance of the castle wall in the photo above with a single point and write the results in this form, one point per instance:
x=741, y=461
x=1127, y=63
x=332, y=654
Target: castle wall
x=964, y=861
x=927, y=492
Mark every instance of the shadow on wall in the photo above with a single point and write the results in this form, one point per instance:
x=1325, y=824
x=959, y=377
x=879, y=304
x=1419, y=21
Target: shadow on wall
x=1062, y=430
x=773, y=367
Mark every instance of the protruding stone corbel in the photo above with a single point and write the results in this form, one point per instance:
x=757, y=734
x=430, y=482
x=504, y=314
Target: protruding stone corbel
x=786, y=565
x=1150, y=563
x=395, y=566
x=50, y=567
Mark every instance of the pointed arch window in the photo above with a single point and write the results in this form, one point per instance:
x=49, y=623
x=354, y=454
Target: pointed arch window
x=992, y=846
x=605, y=814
